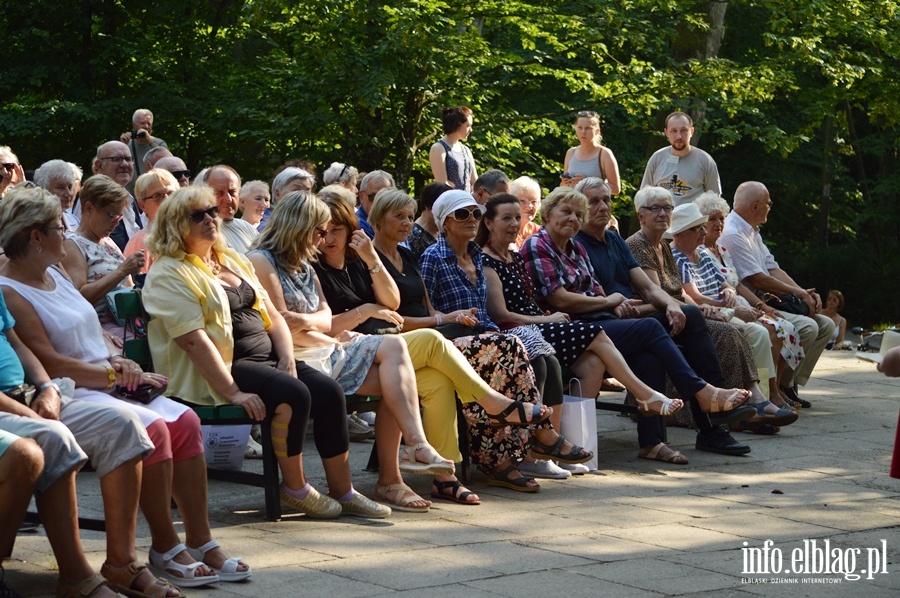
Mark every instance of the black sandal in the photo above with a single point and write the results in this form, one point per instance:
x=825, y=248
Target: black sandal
x=555, y=452
x=501, y=479
x=499, y=420
x=439, y=491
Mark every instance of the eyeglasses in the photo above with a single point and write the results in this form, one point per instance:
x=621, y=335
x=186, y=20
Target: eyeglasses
x=656, y=209
x=61, y=229
x=159, y=196
x=698, y=228
x=198, y=216
x=115, y=217
x=9, y=165
x=321, y=232
x=118, y=159
x=463, y=214
x=181, y=174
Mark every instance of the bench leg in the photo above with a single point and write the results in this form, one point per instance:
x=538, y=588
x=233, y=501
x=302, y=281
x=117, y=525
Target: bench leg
x=463, y=432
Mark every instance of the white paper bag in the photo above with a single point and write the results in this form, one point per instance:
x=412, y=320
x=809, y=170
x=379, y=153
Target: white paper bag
x=579, y=425
x=224, y=446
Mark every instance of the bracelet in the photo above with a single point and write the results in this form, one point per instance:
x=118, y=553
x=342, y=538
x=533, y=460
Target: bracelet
x=110, y=378
x=438, y=319
x=358, y=316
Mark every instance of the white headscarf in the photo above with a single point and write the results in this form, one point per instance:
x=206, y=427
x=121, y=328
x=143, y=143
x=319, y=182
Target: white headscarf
x=452, y=200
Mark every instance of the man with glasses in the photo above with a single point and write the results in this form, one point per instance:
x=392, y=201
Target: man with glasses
x=684, y=170
x=371, y=184
x=114, y=160
x=176, y=166
x=758, y=270
x=226, y=186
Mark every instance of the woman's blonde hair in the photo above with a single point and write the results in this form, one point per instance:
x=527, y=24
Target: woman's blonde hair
x=337, y=191
x=290, y=234
x=146, y=180
x=102, y=192
x=22, y=211
x=386, y=201
x=172, y=224
x=563, y=195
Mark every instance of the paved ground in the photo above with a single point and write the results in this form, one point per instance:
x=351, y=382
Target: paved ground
x=632, y=529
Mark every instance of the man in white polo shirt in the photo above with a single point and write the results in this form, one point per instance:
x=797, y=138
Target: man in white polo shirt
x=758, y=270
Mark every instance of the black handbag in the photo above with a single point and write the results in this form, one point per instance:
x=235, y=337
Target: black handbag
x=377, y=326
x=783, y=302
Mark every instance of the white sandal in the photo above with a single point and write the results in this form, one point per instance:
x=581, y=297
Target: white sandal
x=668, y=405
x=437, y=466
x=229, y=570
x=164, y=565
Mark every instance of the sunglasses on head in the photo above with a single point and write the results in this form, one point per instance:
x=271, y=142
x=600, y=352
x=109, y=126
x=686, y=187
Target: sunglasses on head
x=181, y=173
x=199, y=216
x=463, y=214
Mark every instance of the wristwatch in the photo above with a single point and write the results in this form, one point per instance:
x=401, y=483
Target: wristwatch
x=376, y=268
x=47, y=385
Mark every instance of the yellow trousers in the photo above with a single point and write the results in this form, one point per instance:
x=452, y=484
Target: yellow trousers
x=442, y=373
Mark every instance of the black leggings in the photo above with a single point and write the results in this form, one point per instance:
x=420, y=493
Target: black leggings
x=311, y=393
x=548, y=379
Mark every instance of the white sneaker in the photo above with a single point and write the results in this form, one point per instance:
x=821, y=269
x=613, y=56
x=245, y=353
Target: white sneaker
x=367, y=416
x=575, y=468
x=543, y=469
x=254, y=450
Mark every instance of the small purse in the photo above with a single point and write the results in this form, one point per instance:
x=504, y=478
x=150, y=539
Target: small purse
x=783, y=302
x=23, y=393
x=143, y=394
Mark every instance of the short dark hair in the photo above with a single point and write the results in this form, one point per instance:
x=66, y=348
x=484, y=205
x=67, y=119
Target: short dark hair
x=430, y=194
x=452, y=118
x=681, y=114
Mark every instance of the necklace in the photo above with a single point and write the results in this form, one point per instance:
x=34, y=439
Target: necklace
x=214, y=265
x=502, y=256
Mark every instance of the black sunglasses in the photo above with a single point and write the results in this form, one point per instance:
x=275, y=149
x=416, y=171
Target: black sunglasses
x=462, y=214
x=181, y=173
x=199, y=216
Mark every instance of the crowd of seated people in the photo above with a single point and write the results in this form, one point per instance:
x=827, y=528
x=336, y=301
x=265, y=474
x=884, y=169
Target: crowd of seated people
x=284, y=300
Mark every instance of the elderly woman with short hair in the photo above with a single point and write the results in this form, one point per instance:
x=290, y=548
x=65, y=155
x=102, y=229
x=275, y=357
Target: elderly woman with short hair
x=150, y=190
x=254, y=201
x=92, y=259
x=343, y=175
x=11, y=172
x=528, y=192
x=220, y=340
x=65, y=335
x=56, y=176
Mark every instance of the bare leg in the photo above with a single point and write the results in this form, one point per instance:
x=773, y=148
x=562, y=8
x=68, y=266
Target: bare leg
x=387, y=440
x=20, y=467
x=156, y=501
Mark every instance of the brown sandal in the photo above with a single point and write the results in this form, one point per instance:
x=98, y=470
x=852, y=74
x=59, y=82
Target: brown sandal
x=656, y=454
x=87, y=588
x=120, y=580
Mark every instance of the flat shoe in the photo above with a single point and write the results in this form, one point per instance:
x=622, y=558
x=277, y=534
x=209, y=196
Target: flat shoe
x=720, y=441
x=85, y=589
x=437, y=466
x=164, y=565
x=229, y=571
x=502, y=479
x=457, y=494
x=782, y=417
x=656, y=454
x=405, y=495
x=742, y=413
x=360, y=506
x=547, y=470
x=575, y=455
x=315, y=505
x=120, y=579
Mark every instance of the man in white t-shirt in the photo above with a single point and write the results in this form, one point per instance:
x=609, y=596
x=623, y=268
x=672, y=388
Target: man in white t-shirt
x=757, y=269
x=226, y=185
x=684, y=170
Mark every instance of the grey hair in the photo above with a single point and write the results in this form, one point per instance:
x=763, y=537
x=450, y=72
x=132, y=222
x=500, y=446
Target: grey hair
x=648, y=194
x=151, y=153
x=291, y=173
x=139, y=113
x=592, y=182
x=337, y=192
x=79, y=174
x=339, y=173
x=489, y=180
x=53, y=170
x=376, y=175
x=5, y=149
x=710, y=202
x=522, y=183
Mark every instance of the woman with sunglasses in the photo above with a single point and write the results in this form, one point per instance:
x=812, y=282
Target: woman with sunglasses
x=219, y=339
x=92, y=260
x=454, y=280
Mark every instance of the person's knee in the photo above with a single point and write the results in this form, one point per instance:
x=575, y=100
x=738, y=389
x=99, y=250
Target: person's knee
x=26, y=460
